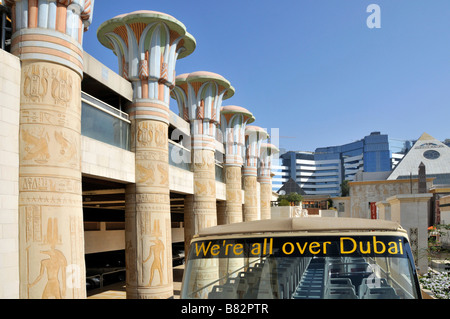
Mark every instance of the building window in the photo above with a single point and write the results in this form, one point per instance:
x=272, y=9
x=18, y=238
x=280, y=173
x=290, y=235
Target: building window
x=431, y=154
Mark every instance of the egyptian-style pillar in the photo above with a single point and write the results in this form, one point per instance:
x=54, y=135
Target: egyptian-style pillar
x=265, y=178
x=147, y=45
x=233, y=122
x=254, y=136
x=47, y=37
x=199, y=96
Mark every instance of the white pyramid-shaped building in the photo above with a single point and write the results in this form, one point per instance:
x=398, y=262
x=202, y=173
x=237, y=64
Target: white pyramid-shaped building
x=434, y=154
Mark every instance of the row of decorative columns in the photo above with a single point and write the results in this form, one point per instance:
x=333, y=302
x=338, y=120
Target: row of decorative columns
x=147, y=45
x=47, y=37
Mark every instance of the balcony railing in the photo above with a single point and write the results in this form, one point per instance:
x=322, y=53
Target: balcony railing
x=104, y=123
x=179, y=156
x=107, y=124
x=220, y=175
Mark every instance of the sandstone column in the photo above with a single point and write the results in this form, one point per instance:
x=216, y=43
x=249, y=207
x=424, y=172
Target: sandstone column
x=47, y=37
x=253, y=138
x=265, y=179
x=199, y=96
x=147, y=44
x=233, y=122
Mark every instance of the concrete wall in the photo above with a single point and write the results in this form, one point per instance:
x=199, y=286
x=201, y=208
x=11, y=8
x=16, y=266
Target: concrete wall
x=103, y=239
x=281, y=211
x=9, y=175
x=362, y=193
x=181, y=180
x=328, y=213
x=342, y=205
x=297, y=211
x=99, y=159
x=104, y=75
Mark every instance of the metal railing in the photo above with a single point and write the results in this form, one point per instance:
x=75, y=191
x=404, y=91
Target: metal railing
x=220, y=175
x=179, y=156
x=104, y=123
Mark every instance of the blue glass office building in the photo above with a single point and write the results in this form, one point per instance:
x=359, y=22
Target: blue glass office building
x=322, y=172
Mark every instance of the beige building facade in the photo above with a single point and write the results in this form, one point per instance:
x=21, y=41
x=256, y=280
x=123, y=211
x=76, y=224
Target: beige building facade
x=362, y=194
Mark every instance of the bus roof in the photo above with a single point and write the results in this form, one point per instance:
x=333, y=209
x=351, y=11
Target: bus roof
x=307, y=224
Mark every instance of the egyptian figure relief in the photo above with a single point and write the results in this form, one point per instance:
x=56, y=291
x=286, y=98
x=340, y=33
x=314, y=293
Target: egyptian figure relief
x=148, y=260
x=35, y=83
x=151, y=134
x=49, y=145
x=204, y=173
x=36, y=145
x=151, y=153
x=203, y=160
x=62, y=87
x=153, y=252
x=49, y=135
x=44, y=247
x=40, y=79
x=49, y=139
x=145, y=174
x=250, y=191
x=144, y=134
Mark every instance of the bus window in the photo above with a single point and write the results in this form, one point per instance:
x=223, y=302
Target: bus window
x=349, y=266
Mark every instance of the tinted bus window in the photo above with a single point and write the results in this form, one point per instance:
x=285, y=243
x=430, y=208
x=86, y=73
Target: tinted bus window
x=302, y=267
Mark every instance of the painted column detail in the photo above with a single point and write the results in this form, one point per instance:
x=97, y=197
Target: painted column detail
x=265, y=179
x=199, y=96
x=147, y=45
x=51, y=236
x=254, y=136
x=233, y=122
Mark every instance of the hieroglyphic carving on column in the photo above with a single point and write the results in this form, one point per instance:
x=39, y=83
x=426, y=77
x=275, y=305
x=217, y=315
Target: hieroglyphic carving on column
x=233, y=122
x=264, y=177
x=266, y=194
x=147, y=45
x=251, y=211
x=199, y=96
x=254, y=136
x=47, y=37
x=147, y=211
x=52, y=244
x=233, y=211
x=204, y=199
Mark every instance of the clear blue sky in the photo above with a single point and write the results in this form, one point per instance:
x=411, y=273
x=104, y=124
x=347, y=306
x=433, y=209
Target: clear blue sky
x=312, y=68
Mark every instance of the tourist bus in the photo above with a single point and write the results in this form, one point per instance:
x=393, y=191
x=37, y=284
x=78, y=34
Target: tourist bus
x=301, y=258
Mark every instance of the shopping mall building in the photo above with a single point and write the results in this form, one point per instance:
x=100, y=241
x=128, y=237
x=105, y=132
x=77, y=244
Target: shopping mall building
x=92, y=161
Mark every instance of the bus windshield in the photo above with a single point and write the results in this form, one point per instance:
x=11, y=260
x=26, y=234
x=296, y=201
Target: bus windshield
x=301, y=267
